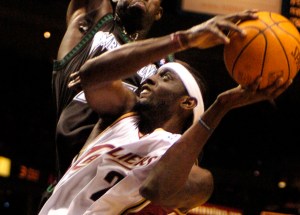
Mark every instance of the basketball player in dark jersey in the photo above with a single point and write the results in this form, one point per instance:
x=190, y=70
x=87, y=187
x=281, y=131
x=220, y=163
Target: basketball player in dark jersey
x=93, y=28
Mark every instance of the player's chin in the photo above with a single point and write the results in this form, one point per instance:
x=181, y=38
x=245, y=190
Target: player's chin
x=136, y=11
x=142, y=105
x=143, y=99
x=137, y=6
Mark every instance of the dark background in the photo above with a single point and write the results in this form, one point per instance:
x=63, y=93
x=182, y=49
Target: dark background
x=249, y=153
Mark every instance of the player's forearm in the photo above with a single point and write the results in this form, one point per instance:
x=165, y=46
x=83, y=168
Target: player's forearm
x=128, y=59
x=170, y=177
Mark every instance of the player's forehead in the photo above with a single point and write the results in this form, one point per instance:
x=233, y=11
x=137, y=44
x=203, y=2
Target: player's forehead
x=171, y=72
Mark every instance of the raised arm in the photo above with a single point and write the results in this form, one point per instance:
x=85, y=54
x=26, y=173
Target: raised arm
x=175, y=181
x=171, y=183
x=129, y=58
x=80, y=17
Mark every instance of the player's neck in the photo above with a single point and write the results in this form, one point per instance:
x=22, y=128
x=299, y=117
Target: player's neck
x=149, y=124
x=131, y=29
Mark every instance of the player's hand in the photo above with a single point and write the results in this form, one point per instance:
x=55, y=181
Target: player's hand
x=74, y=80
x=213, y=31
x=242, y=96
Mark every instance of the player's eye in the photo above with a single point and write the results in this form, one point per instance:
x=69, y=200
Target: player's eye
x=165, y=75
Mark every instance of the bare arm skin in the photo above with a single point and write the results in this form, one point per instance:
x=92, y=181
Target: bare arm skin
x=123, y=61
x=171, y=183
x=81, y=16
x=176, y=184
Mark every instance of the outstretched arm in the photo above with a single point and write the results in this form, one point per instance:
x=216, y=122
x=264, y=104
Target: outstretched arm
x=175, y=181
x=171, y=183
x=129, y=58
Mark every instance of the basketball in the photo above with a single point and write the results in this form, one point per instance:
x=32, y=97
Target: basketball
x=271, y=48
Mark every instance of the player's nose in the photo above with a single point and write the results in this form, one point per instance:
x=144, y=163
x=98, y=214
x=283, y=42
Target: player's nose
x=152, y=80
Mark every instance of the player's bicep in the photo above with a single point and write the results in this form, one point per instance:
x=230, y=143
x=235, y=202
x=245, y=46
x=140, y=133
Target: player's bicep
x=109, y=98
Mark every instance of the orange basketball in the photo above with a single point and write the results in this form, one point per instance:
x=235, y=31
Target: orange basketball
x=270, y=49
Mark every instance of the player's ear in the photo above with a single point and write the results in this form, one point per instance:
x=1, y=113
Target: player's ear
x=159, y=13
x=188, y=102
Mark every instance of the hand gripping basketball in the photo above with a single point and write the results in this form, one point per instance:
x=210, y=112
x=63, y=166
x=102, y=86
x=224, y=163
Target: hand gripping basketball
x=270, y=49
x=211, y=32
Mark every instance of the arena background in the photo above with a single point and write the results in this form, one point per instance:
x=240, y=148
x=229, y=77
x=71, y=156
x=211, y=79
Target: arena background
x=252, y=150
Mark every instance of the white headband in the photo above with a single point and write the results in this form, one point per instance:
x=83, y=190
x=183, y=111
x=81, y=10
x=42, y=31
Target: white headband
x=190, y=84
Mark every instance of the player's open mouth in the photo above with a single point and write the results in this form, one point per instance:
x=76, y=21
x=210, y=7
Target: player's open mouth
x=145, y=90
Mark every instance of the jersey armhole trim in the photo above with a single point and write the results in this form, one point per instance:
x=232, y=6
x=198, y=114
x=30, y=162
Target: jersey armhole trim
x=60, y=63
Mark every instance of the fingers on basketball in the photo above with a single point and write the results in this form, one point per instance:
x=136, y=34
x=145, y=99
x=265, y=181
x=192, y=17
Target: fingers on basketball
x=270, y=49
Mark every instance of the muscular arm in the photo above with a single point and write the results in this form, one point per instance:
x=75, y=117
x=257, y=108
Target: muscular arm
x=175, y=181
x=124, y=61
x=96, y=74
x=100, y=79
x=81, y=16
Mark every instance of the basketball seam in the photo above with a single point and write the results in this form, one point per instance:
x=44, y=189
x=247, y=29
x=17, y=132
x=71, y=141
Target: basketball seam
x=264, y=58
x=262, y=31
x=242, y=50
x=288, y=33
x=287, y=21
x=275, y=30
x=284, y=51
x=292, y=36
x=269, y=27
x=281, y=44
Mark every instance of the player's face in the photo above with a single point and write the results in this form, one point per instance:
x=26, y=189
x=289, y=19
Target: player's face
x=139, y=13
x=162, y=90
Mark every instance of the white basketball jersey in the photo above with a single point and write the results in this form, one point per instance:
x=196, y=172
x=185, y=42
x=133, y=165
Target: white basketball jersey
x=105, y=179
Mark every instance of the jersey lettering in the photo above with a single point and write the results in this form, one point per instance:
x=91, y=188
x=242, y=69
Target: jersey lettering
x=98, y=150
x=117, y=155
x=105, y=40
x=129, y=160
x=147, y=71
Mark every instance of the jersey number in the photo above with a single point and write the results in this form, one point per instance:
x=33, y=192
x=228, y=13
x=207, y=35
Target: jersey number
x=111, y=177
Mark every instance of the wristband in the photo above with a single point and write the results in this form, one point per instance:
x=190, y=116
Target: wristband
x=201, y=122
x=179, y=39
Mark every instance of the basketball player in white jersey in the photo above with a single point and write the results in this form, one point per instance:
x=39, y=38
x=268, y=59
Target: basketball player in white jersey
x=144, y=155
